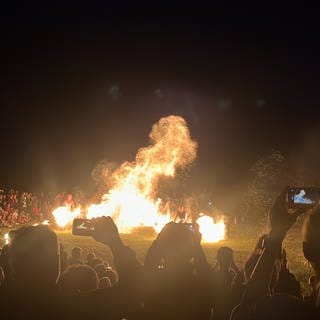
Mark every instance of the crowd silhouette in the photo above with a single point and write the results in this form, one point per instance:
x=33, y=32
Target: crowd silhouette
x=38, y=279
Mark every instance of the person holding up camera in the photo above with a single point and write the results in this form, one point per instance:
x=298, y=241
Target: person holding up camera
x=177, y=275
x=258, y=302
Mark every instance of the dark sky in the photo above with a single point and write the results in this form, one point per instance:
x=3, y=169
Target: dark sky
x=85, y=82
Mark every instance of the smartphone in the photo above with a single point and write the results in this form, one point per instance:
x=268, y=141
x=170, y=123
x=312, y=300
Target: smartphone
x=190, y=226
x=303, y=196
x=82, y=227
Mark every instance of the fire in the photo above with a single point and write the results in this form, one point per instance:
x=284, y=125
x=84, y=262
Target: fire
x=65, y=215
x=211, y=231
x=132, y=200
x=137, y=211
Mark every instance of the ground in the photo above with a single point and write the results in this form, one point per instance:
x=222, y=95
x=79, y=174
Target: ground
x=241, y=238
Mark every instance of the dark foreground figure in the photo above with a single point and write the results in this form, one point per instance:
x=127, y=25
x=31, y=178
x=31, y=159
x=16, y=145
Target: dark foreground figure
x=176, y=281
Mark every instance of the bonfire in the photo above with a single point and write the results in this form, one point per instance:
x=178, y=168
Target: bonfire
x=132, y=199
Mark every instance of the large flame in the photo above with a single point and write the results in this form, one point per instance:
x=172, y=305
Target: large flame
x=132, y=200
x=211, y=231
x=64, y=215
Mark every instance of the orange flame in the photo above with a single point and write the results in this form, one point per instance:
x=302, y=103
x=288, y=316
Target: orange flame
x=64, y=215
x=132, y=201
x=211, y=231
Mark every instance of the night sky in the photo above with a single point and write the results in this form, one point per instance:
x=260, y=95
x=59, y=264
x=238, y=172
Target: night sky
x=85, y=82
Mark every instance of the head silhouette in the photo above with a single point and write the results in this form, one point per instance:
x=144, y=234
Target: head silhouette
x=90, y=258
x=177, y=247
x=311, y=232
x=224, y=258
x=78, y=278
x=34, y=254
x=76, y=252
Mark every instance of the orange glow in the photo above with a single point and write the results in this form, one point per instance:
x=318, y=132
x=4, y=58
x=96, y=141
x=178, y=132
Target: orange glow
x=64, y=216
x=132, y=200
x=6, y=238
x=211, y=231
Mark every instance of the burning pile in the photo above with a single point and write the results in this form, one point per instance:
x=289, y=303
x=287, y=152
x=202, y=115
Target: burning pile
x=132, y=200
x=64, y=215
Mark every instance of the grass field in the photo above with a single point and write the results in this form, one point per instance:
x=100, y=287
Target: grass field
x=241, y=238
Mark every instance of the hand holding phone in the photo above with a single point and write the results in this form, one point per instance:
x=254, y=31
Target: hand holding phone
x=102, y=229
x=283, y=215
x=82, y=227
x=189, y=226
x=303, y=196
x=106, y=231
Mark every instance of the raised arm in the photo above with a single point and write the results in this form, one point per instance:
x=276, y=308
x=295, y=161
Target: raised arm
x=128, y=267
x=281, y=221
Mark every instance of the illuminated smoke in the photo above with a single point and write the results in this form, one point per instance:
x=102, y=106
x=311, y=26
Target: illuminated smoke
x=132, y=201
x=132, y=197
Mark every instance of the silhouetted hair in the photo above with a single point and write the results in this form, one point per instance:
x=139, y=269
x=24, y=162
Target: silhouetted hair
x=76, y=252
x=78, y=278
x=90, y=258
x=224, y=253
x=100, y=269
x=311, y=235
x=34, y=254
